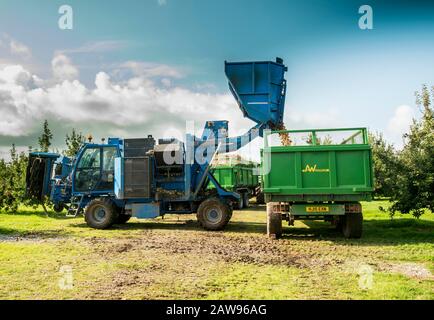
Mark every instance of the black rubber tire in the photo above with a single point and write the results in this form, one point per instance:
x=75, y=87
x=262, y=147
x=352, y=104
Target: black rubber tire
x=220, y=211
x=260, y=199
x=109, y=210
x=240, y=204
x=274, y=222
x=340, y=223
x=246, y=201
x=122, y=218
x=58, y=208
x=352, y=225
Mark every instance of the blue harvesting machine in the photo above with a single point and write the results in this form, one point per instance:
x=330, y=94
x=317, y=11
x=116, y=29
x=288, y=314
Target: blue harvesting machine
x=144, y=178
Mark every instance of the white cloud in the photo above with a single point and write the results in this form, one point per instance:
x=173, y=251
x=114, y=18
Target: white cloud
x=13, y=48
x=401, y=120
x=162, y=2
x=150, y=70
x=400, y=124
x=112, y=106
x=327, y=118
x=146, y=103
x=19, y=49
x=62, y=68
x=95, y=47
x=166, y=82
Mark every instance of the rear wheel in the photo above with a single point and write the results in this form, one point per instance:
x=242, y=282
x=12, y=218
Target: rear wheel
x=101, y=214
x=274, y=222
x=213, y=214
x=352, y=225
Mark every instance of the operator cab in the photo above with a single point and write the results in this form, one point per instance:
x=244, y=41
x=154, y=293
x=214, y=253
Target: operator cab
x=95, y=169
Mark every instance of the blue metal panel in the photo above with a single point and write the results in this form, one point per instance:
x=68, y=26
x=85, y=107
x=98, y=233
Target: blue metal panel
x=45, y=155
x=114, y=141
x=119, y=178
x=214, y=129
x=145, y=210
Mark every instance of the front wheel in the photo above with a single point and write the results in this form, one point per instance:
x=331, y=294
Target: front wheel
x=101, y=214
x=213, y=214
x=58, y=207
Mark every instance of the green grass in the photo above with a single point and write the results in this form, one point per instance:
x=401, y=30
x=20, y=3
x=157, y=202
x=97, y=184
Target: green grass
x=174, y=259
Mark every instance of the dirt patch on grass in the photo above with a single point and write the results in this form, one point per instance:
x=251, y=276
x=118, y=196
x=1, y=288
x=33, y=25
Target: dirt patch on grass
x=30, y=238
x=219, y=246
x=412, y=270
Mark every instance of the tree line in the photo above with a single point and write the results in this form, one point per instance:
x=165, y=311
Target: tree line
x=405, y=177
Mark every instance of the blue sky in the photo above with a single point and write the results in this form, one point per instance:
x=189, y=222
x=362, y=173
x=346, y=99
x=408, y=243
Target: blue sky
x=339, y=75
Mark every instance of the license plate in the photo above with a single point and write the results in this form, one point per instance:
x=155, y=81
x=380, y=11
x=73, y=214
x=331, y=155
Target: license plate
x=317, y=209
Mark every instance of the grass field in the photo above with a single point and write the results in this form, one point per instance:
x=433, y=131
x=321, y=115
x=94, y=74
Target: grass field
x=174, y=259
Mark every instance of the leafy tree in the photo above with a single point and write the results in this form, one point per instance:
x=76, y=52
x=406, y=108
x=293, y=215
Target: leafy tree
x=386, y=164
x=13, y=180
x=45, y=139
x=73, y=143
x=414, y=190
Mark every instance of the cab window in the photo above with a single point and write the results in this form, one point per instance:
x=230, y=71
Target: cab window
x=88, y=173
x=108, y=168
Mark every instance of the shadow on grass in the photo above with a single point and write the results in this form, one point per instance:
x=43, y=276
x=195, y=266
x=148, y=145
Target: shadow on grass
x=186, y=225
x=38, y=213
x=13, y=234
x=375, y=232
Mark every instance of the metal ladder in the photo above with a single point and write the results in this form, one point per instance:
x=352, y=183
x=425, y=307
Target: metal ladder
x=75, y=206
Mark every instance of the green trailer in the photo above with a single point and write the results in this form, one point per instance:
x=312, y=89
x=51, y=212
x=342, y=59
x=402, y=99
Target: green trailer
x=322, y=179
x=240, y=178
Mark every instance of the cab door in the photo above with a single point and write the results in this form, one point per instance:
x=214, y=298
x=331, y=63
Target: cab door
x=88, y=170
x=95, y=170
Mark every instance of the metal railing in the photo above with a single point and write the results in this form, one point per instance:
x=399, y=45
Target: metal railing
x=314, y=140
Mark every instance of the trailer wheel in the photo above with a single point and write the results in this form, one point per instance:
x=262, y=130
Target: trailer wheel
x=213, y=214
x=274, y=222
x=339, y=223
x=101, y=214
x=246, y=200
x=352, y=225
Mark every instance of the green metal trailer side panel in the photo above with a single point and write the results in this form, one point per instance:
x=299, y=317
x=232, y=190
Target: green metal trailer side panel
x=232, y=177
x=225, y=176
x=306, y=171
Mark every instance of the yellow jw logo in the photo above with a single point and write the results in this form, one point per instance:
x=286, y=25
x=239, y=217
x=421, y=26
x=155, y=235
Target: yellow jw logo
x=314, y=169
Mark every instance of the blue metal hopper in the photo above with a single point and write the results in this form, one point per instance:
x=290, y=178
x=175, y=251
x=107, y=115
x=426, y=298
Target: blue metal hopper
x=260, y=89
